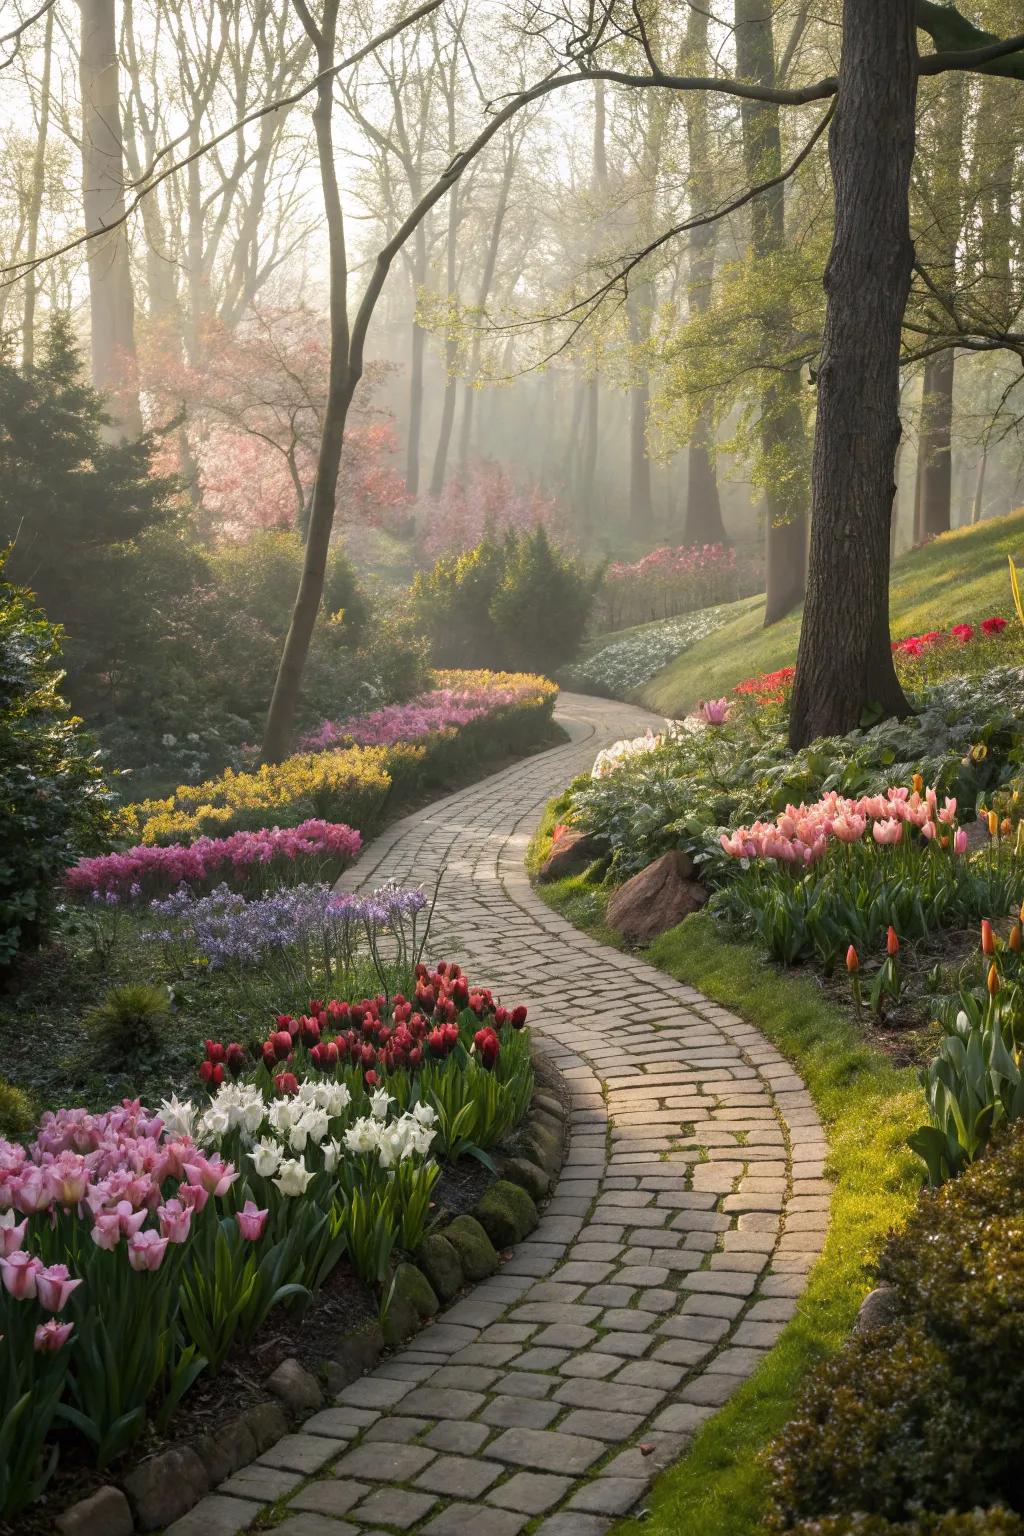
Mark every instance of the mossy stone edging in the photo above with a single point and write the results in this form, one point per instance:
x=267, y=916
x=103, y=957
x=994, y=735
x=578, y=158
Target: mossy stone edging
x=160, y=1490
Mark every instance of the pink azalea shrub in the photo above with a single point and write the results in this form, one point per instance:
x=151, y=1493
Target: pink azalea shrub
x=244, y=861
x=441, y=709
x=483, y=502
x=670, y=581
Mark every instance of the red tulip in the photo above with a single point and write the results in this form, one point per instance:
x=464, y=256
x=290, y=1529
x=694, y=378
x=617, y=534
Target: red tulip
x=309, y=1030
x=892, y=943
x=212, y=1073
x=235, y=1057
x=287, y=1084
x=215, y=1051
x=282, y=1043
x=518, y=1017
x=487, y=1047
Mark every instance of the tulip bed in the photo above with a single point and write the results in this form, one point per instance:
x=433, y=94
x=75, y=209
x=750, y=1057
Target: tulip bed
x=138, y=1247
x=351, y=771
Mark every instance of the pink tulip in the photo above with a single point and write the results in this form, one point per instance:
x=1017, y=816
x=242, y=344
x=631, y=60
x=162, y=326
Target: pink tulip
x=68, y=1178
x=211, y=1174
x=11, y=1236
x=175, y=1221
x=53, y=1287
x=886, y=832
x=714, y=711
x=146, y=1250
x=20, y=1271
x=51, y=1336
x=960, y=841
x=193, y=1195
x=849, y=829
x=928, y=830
x=251, y=1221
x=948, y=812
x=32, y=1191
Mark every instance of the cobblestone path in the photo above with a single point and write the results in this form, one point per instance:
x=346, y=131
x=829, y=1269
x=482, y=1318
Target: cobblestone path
x=689, y=1210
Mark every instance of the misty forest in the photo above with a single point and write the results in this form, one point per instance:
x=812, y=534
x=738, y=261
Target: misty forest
x=511, y=767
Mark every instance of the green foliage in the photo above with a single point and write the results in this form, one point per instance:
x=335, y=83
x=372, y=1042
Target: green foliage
x=966, y=739
x=978, y=1522
x=520, y=604
x=53, y=803
x=906, y=1418
x=17, y=1114
x=542, y=603
x=229, y=1285
x=130, y=1018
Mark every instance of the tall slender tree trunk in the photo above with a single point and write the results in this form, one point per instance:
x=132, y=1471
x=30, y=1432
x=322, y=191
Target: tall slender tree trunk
x=342, y=380
x=703, y=521
x=641, y=505
x=451, y=355
x=35, y=205
x=844, y=662
x=934, y=460
x=416, y=355
x=111, y=302
x=783, y=441
x=977, y=505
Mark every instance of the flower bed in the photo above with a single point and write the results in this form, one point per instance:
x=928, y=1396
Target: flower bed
x=150, y=1244
x=670, y=581
x=246, y=861
x=390, y=756
x=624, y=664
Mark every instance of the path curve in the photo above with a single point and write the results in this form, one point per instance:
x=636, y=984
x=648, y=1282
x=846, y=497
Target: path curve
x=691, y=1206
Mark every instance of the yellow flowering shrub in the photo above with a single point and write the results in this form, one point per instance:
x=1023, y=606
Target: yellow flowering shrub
x=350, y=786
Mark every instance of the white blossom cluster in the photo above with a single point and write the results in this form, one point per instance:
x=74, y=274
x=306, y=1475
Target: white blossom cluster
x=627, y=663
x=620, y=752
x=293, y=1126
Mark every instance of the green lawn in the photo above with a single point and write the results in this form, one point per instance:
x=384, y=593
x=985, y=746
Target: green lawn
x=960, y=576
x=868, y=1107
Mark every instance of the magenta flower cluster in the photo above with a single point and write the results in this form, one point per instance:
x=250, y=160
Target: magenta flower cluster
x=242, y=859
x=441, y=709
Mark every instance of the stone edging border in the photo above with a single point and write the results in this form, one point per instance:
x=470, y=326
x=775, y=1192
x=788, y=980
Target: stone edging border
x=468, y=1249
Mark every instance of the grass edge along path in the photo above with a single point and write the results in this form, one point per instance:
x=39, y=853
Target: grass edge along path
x=868, y=1107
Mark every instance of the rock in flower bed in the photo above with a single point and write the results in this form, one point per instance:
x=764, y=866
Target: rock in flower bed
x=140, y=1246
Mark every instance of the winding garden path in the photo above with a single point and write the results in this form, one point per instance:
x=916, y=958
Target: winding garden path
x=691, y=1205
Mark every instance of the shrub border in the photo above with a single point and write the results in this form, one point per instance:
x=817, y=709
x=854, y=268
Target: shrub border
x=867, y=1106
x=185, y=1471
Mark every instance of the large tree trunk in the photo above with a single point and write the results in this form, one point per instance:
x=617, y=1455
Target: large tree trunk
x=781, y=426
x=342, y=380
x=110, y=284
x=845, y=661
x=35, y=206
x=703, y=522
x=934, y=461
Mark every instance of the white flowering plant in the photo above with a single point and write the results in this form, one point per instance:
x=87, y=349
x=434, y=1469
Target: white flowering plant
x=627, y=661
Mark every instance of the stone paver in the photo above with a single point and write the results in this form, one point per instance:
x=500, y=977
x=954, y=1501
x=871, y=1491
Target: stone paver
x=669, y=1258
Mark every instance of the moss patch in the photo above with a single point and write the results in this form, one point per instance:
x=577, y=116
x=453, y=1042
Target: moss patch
x=506, y=1214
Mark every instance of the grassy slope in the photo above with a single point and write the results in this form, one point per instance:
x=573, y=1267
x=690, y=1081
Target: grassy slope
x=960, y=576
x=868, y=1108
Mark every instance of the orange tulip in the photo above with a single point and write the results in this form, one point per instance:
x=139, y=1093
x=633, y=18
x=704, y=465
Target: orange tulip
x=988, y=943
x=1016, y=938
x=852, y=960
x=892, y=943
x=993, y=823
x=993, y=980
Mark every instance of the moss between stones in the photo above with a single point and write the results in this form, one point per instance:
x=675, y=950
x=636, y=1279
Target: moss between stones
x=506, y=1213
x=473, y=1246
x=440, y=1263
x=544, y=1148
